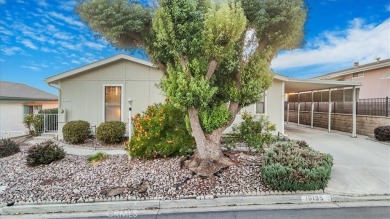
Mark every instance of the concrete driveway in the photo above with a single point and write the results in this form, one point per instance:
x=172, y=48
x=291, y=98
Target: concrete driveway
x=361, y=166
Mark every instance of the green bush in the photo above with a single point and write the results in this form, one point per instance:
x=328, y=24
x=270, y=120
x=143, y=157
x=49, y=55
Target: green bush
x=44, y=153
x=111, y=132
x=33, y=123
x=289, y=166
x=160, y=132
x=8, y=148
x=49, y=111
x=254, y=131
x=382, y=133
x=99, y=156
x=76, y=131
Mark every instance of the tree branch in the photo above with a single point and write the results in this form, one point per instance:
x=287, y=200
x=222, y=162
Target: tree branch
x=184, y=62
x=262, y=45
x=212, y=66
x=162, y=67
x=135, y=36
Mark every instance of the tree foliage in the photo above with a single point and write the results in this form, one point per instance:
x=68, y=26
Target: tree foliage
x=214, y=53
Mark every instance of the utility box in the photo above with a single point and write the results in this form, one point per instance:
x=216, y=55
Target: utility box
x=61, y=115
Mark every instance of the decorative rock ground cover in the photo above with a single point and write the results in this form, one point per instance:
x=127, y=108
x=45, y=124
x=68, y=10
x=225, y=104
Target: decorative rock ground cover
x=73, y=179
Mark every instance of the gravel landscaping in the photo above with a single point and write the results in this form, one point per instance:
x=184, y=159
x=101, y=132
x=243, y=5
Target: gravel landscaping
x=73, y=179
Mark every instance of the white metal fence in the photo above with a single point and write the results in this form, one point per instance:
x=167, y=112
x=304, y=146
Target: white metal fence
x=49, y=122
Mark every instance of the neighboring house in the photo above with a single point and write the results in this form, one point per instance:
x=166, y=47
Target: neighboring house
x=98, y=92
x=16, y=100
x=375, y=78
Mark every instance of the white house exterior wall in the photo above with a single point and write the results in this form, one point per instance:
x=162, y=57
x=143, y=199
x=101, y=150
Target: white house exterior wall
x=12, y=114
x=11, y=118
x=82, y=96
x=275, y=104
x=274, y=107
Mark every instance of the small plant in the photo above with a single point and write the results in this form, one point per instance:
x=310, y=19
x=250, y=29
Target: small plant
x=76, y=132
x=289, y=166
x=302, y=144
x=254, y=131
x=33, y=124
x=160, y=132
x=8, y=148
x=382, y=133
x=111, y=132
x=99, y=156
x=44, y=153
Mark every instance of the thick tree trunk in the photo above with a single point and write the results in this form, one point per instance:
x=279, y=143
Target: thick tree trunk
x=208, y=158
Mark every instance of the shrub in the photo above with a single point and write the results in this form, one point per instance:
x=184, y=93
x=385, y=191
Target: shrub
x=99, y=156
x=76, y=131
x=49, y=111
x=111, y=132
x=254, y=131
x=44, y=153
x=382, y=133
x=289, y=166
x=160, y=132
x=8, y=148
x=33, y=124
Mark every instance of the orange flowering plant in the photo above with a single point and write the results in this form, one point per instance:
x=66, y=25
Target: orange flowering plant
x=160, y=132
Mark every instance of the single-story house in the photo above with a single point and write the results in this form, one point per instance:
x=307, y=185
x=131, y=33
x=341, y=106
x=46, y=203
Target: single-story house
x=99, y=91
x=16, y=100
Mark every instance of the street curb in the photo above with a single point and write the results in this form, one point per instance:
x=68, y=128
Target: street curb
x=185, y=203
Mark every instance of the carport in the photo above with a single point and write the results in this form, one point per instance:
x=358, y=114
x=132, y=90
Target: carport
x=299, y=86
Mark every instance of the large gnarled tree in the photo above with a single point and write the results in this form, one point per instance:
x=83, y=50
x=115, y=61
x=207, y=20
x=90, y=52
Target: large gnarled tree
x=215, y=55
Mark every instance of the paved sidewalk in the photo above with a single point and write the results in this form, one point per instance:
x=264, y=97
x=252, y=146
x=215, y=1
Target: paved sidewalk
x=361, y=166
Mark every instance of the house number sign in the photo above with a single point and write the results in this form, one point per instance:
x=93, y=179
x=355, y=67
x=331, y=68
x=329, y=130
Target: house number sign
x=316, y=198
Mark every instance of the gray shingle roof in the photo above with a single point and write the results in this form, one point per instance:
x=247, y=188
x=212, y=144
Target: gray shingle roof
x=16, y=91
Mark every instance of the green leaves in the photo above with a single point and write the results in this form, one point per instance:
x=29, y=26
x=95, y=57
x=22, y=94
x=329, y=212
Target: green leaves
x=223, y=28
x=125, y=25
x=201, y=45
x=291, y=166
x=184, y=91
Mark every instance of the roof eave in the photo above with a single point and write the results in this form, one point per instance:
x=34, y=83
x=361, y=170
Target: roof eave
x=54, y=79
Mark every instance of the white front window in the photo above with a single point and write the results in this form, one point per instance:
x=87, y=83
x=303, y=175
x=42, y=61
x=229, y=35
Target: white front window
x=112, y=103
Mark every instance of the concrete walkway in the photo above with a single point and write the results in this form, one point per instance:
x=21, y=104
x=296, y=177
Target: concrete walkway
x=361, y=166
x=69, y=149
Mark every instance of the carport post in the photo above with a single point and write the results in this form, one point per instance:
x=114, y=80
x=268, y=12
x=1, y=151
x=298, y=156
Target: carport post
x=354, y=112
x=288, y=108
x=329, y=109
x=299, y=108
x=312, y=109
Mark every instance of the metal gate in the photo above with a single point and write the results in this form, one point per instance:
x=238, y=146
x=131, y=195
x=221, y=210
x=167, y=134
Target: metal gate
x=49, y=122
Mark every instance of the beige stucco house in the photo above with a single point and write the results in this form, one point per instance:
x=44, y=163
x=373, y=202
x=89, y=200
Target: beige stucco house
x=99, y=91
x=375, y=78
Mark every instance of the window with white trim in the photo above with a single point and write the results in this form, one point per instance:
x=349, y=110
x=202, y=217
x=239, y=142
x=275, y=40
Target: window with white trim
x=260, y=106
x=112, y=103
x=358, y=74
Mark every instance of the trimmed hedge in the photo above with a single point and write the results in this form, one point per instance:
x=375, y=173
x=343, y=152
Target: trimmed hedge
x=292, y=166
x=76, y=131
x=8, y=148
x=382, y=133
x=111, y=132
x=44, y=153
